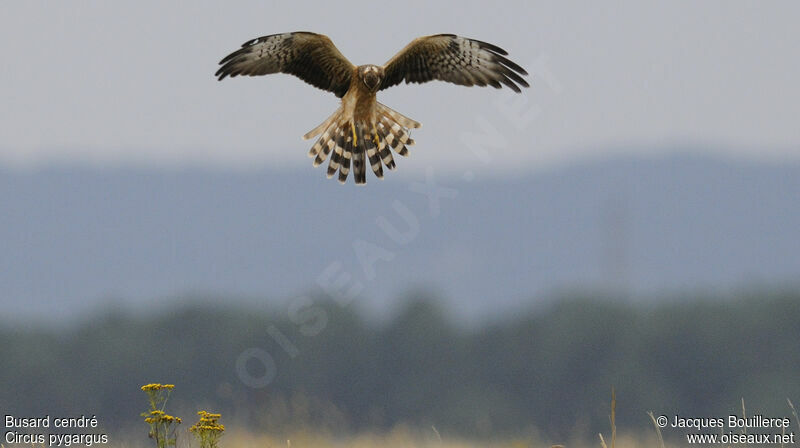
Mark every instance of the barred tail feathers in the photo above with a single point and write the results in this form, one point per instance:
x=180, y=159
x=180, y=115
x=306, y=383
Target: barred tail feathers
x=402, y=120
x=361, y=144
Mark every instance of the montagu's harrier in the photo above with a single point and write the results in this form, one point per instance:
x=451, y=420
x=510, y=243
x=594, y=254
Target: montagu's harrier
x=362, y=129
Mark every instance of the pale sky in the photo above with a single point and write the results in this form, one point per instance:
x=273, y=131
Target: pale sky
x=119, y=83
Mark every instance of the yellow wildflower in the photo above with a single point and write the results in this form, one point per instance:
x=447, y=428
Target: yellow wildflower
x=157, y=386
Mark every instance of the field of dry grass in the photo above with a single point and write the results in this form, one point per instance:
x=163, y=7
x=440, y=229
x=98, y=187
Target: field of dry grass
x=400, y=436
x=404, y=437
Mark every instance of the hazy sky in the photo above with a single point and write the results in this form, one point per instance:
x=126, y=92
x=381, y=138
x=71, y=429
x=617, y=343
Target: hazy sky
x=113, y=82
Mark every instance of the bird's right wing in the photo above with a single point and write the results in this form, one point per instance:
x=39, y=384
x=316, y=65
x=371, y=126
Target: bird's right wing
x=309, y=56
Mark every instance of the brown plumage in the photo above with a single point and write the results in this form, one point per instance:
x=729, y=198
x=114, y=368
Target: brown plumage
x=362, y=130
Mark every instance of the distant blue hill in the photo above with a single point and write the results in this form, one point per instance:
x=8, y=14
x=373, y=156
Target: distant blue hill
x=74, y=240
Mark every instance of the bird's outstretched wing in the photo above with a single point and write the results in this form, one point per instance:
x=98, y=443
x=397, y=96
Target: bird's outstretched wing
x=309, y=56
x=455, y=59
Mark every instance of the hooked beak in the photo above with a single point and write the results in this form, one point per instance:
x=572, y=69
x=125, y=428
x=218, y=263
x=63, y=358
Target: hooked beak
x=371, y=80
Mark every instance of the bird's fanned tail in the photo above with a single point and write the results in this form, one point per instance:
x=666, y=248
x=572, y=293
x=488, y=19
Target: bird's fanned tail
x=356, y=144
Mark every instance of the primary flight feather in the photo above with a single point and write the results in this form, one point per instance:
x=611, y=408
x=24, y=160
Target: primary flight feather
x=362, y=130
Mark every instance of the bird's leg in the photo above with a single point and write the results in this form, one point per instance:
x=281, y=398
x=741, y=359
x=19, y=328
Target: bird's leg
x=353, y=127
x=375, y=132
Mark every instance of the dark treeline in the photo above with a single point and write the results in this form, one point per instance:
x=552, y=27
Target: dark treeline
x=551, y=369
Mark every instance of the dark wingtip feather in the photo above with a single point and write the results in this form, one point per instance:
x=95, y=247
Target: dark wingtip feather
x=235, y=54
x=510, y=84
x=222, y=73
x=517, y=78
x=228, y=64
x=490, y=47
x=512, y=65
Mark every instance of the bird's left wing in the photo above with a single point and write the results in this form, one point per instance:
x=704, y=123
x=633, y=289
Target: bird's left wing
x=455, y=59
x=309, y=56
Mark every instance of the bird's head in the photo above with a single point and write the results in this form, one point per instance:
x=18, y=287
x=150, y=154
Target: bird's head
x=371, y=75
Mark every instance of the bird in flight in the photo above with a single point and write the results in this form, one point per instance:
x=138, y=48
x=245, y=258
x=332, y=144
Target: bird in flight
x=362, y=130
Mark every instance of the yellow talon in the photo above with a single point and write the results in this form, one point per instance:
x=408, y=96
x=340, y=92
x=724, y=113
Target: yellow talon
x=377, y=139
x=355, y=139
